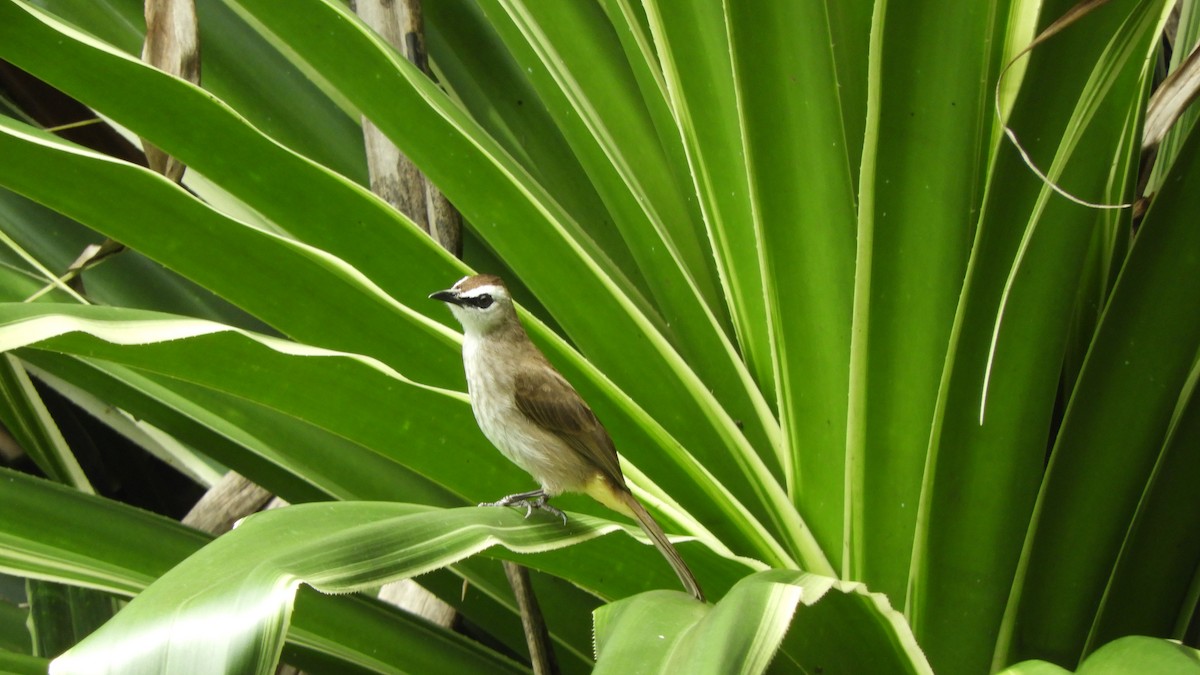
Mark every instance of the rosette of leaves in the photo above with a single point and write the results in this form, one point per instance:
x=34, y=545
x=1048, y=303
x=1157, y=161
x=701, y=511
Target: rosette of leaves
x=908, y=404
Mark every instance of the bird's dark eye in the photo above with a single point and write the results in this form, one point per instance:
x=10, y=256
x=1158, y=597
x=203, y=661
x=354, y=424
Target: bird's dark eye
x=482, y=301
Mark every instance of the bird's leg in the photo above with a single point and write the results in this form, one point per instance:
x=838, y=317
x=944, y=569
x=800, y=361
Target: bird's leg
x=534, y=499
x=520, y=499
x=543, y=503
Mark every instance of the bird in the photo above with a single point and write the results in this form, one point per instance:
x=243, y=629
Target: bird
x=537, y=420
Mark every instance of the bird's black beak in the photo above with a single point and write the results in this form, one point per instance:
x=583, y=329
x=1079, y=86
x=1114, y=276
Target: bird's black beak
x=446, y=296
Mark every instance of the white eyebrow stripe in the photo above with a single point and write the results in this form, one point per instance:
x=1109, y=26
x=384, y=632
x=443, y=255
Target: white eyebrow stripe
x=488, y=289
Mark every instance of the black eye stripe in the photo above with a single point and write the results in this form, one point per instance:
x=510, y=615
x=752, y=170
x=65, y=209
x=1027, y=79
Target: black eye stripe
x=481, y=301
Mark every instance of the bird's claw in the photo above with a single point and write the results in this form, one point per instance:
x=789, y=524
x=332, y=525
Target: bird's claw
x=530, y=502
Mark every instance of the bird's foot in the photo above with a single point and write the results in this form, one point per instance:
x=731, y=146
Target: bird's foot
x=537, y=499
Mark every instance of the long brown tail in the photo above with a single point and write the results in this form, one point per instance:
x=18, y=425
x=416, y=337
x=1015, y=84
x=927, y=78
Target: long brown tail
x=661, y=543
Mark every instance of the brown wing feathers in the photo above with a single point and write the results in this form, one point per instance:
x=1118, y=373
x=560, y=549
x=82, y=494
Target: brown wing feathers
x=550, y=401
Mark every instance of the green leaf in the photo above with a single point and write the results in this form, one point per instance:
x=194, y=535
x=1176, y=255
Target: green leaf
x=1152, y=588
x=703, y=99
x=251, y=438
x=14, y=631
x=1142, y=654
x=1133, y=389
x=23, y=664
x=40, y=244
x=137, y=202
x=1034, y=668
x=309, y=123
x=799, y=173
x=998, y=389
x=356, y=390
x=921, y=187
x=61, y=615
x=125, y=549
x=26, y=418
x=1133, y=654
x=355, y=631
x=830, y=626
x=122, y=550
x=236, y=594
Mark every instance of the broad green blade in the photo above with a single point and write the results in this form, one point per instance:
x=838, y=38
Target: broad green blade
x=14, y=631
x=355, y=392
x=471, y=62
x=263, y=443
x=1133, y=654
x=830, y=626
x=631, y=25
x=997, y=394
x=124, y=549
x=121, y=550
x=137, y=202
x=850, y=29
x=309, y=123
x=921, y=187
x=23, y=664
x=1142, y=654
x=1151, y=590
x=641, y=634
x=1129, y=395
x=693, y=49
x=354, y=631
x=229, y=604
x=1034, y=668
x=799, y=170
x=37, y=260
